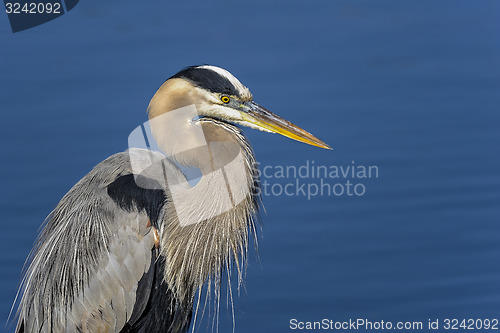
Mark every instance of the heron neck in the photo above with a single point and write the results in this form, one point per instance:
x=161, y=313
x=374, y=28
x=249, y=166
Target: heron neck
x=206, y=226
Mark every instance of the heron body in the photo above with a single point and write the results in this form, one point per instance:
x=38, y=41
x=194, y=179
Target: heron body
x=128, y=247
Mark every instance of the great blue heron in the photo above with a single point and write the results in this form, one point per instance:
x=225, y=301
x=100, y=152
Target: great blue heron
x=128, y=247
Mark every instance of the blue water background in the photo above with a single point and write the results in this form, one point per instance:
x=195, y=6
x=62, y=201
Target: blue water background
x=410, y=87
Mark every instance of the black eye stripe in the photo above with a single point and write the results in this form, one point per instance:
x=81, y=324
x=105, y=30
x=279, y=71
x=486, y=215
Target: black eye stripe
x=209, y=80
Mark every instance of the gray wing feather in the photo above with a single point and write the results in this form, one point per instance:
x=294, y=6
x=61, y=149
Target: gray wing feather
x=87, y=264
x=108, y=298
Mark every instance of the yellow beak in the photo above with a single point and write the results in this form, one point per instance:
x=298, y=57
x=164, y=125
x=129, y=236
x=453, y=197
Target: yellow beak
x=265, y=120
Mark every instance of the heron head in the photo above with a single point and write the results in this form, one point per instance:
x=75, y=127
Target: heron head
x=218, y=94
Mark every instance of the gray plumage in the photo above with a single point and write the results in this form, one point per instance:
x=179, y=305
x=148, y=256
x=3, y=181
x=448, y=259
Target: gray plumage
x=128, y=247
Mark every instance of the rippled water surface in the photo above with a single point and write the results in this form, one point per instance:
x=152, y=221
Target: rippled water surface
x=410, y=88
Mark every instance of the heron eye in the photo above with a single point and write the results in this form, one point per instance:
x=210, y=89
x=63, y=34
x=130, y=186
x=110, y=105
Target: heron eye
x=225, y=99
